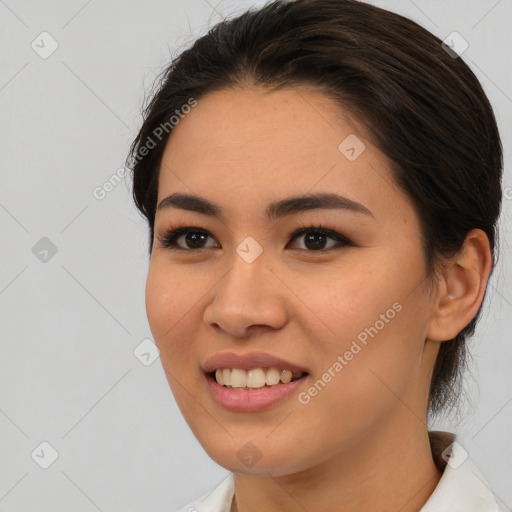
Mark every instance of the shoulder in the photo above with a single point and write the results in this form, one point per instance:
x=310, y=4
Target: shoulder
x=217, y=500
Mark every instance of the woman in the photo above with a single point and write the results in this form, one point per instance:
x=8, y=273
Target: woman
x=322, y=182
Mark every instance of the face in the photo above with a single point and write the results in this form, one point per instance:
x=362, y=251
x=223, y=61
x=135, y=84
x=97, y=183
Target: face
x=343, y=304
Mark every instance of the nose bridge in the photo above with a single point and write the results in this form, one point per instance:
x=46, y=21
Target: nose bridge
x=249, y=272
x=246, y=295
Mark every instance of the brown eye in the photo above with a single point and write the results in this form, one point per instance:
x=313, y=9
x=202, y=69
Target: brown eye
x=315, y=238
x=194, y=238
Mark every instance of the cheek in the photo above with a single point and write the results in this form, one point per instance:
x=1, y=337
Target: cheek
x=159, y=304
x=169, y=300
x=171, y=304
x=381, y=358
x=377, y=323
x=351, y=297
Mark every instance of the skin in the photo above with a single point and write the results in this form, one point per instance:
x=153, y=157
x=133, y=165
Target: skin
x=362, y=442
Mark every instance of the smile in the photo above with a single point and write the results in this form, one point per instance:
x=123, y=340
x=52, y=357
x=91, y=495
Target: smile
x=255, y=378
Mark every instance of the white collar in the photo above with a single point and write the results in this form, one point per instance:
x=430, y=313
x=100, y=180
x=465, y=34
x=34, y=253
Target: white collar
x=462, y=488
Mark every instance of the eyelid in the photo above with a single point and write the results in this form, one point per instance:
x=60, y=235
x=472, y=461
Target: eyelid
x=172, y=234
x=169, y=236
x=318, y=228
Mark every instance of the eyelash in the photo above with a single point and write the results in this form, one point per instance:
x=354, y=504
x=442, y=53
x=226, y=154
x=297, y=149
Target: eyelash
x=169, y=237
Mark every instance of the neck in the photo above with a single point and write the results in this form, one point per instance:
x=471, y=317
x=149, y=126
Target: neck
x=387, y=471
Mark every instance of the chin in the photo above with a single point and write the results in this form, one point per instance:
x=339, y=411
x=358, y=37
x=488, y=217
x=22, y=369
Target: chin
x=256, y=457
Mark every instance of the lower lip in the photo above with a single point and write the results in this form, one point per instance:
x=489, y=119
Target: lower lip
x=251, y=400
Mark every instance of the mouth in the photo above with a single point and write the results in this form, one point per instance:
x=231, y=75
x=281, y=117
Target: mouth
x=240, y=397
x=252, y=382
x=255, y=378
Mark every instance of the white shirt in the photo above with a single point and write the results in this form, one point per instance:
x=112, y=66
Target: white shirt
x=462, y=488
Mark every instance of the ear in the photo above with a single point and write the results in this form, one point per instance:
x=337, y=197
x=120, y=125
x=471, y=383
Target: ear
x=461, y=287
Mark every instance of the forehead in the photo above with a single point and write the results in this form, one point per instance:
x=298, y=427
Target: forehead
x=258, y=128
x=250, y=144
x=233, y=120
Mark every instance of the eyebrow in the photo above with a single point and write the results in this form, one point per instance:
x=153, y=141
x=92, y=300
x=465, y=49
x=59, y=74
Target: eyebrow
x=275, y=210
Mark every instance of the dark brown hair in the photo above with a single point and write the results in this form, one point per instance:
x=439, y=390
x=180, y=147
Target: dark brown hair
x=422, y=106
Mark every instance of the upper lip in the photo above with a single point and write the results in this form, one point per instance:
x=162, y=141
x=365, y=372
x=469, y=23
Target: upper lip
x=249, y=361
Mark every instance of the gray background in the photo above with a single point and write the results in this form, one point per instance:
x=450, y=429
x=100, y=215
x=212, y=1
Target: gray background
x=70, y=323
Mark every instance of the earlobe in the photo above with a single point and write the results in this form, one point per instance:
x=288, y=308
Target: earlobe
x=461, y=288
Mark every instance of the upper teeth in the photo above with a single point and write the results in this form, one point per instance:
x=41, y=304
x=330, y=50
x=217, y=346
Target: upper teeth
x=255, y=378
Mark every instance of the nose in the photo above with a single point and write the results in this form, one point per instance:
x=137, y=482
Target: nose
x=249, y=298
